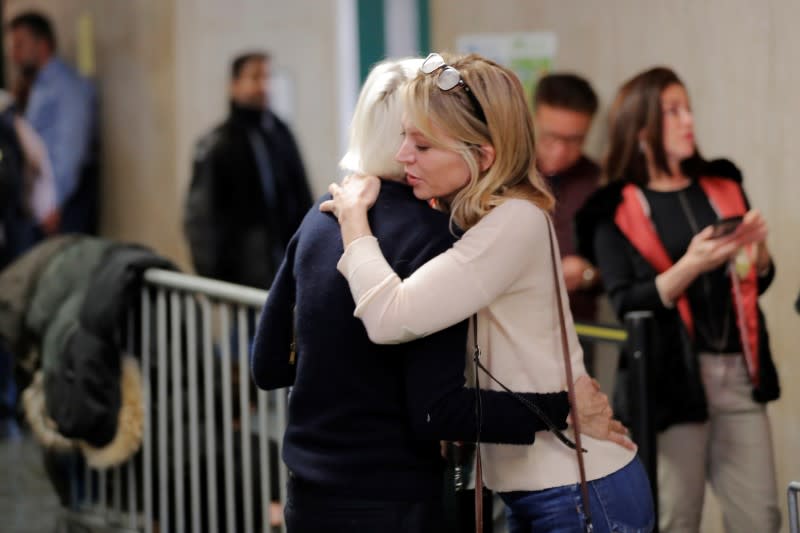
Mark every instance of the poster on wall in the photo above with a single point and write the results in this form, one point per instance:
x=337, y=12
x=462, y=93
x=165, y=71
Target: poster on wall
x=529, y=54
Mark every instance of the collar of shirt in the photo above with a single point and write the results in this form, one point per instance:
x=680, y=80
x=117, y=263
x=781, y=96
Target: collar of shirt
x=55, y=68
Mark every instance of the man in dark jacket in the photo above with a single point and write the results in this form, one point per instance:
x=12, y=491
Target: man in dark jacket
x=249, y=191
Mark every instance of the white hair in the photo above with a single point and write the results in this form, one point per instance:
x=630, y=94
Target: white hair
x=375, y=130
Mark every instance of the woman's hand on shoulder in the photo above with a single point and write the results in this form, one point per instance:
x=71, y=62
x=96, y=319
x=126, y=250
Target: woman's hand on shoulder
x=595, y=415
x=356, y=194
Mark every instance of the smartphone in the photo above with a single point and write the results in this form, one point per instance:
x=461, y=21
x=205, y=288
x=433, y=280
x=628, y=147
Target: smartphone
x=725, y=226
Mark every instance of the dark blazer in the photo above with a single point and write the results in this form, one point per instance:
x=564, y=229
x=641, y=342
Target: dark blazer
x=236, y=232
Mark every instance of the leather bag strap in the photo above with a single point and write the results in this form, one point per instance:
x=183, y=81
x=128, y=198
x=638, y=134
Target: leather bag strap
x=570, y=387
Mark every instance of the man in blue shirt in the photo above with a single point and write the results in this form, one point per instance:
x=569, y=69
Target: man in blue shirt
x=60, y=105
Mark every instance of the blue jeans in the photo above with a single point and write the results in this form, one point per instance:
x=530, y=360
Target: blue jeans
x=620, y=502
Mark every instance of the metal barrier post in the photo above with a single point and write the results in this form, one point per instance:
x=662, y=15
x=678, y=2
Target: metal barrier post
x=640, y=348
x=163, y=406
x=794, y=520
x=194, y=409
x=147, y=397
x=208, y=394
x=243, y=359
x=227, y=419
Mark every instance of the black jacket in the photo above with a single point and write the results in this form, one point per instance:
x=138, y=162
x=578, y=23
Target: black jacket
x=83, y=389
x=236, y=232
x=18, y=282
x=630, y=282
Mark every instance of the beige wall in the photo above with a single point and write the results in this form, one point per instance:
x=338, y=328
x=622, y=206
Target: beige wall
x=135, y=78
x=162, y=73
x=738, y=59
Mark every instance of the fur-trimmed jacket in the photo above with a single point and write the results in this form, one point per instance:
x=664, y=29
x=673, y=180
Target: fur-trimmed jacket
x=630, y=282
x=85, y=392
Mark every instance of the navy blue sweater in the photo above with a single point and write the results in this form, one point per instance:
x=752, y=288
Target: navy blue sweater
x=366, y=419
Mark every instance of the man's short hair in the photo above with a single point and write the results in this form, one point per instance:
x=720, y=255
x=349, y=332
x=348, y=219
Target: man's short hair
x=240, y=61
x=567, y=91
x=37, y=24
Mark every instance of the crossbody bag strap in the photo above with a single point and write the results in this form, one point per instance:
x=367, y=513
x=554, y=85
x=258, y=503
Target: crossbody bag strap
x=479, y=418
x=570, y=386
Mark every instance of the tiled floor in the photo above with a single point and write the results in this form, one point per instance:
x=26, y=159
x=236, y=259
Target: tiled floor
x=28, y=503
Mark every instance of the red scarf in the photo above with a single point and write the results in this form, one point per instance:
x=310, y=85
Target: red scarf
x=633, y=219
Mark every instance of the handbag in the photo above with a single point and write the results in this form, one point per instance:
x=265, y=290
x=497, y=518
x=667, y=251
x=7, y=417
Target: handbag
x=588, y=527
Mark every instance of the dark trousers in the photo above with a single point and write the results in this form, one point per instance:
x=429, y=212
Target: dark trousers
x=460, y=511
x=8, y=394
x=311, y=509
x=21, y=234
x=459, y=501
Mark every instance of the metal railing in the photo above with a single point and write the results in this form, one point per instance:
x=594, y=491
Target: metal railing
x=794, y=517
x=191, y=336
x=199, y=469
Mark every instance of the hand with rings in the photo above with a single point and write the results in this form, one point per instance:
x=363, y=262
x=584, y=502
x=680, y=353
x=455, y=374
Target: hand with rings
x=356, y=193
x=595, y=415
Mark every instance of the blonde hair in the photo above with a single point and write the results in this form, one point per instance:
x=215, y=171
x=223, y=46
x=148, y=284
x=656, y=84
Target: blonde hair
x=508, y=129
x=376, y=125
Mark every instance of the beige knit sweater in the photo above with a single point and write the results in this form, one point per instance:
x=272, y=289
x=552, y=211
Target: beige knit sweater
x=501, y=269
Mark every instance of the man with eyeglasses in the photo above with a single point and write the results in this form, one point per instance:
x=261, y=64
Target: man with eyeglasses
x=563, y=108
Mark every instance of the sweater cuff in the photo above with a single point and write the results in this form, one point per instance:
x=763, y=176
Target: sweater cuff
x=559, y=404
x=555, y=405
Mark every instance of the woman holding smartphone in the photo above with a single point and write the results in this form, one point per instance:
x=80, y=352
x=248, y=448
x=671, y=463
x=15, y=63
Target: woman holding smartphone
x=654, y=235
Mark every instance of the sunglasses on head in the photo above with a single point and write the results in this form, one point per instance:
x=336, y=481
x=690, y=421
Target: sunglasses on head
x=449, y=78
